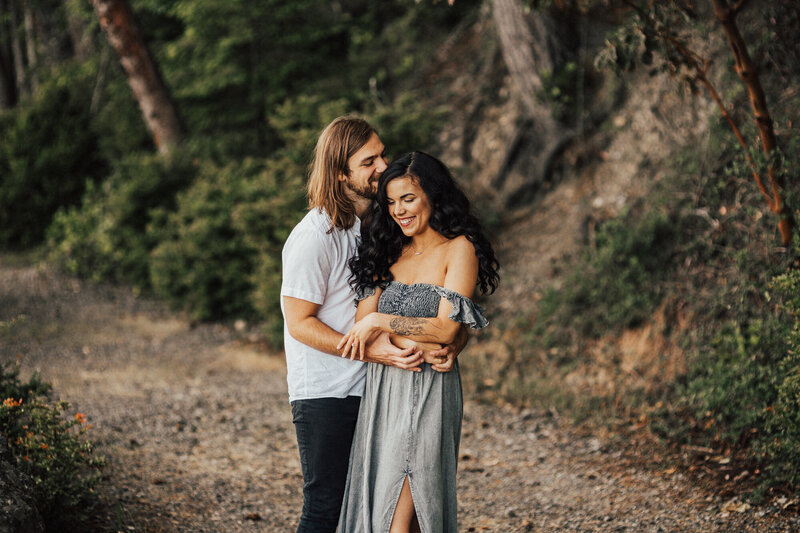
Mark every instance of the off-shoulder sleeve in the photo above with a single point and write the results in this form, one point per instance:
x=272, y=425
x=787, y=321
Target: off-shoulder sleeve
x=363, y=294
x=464, y=310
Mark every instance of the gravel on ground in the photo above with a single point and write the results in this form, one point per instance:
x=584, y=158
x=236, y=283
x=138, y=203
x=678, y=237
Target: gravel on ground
x=195, y=424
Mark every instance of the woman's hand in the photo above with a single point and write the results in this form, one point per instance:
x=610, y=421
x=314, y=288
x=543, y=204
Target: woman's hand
x=353, y=344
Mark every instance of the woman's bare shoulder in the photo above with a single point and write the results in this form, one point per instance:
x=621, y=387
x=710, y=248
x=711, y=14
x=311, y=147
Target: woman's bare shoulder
x=461, y=252
x=460, y=245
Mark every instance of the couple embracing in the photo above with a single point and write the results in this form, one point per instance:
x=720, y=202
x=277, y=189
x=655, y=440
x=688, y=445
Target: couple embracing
x=375, y=389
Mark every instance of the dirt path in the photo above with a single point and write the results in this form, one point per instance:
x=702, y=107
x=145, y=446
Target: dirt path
x=196, y=427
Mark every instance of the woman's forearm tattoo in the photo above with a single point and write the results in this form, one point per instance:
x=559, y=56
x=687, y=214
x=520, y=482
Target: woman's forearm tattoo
x=404, y=325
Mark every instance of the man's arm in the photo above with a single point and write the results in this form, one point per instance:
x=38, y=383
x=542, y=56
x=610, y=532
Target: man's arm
x=303, y=325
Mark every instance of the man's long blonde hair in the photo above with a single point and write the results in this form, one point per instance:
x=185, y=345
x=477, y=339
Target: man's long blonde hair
x=338, y=142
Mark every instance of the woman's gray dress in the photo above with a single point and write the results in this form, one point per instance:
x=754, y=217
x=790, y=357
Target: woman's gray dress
x=409, y=424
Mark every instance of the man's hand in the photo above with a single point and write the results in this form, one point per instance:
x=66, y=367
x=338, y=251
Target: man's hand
x=443, y=360
x=381, y=350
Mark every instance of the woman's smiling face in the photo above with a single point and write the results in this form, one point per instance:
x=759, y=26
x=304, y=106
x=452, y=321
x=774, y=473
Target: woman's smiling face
x=408, y=205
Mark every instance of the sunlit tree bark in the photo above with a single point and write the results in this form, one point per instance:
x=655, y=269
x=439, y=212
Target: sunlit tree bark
x=726, y=14
x=148, y=88
x=529, y=46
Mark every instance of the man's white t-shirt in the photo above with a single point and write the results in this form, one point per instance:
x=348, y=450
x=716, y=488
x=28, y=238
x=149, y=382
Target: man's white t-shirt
x=315, y=269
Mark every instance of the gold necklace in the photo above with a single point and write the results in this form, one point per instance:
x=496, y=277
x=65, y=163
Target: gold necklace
x=421, y=251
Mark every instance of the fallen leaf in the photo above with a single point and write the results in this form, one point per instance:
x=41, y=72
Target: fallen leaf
x=735, y=506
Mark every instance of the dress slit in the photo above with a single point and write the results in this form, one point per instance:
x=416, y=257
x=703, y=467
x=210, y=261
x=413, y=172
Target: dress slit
x=397, y=501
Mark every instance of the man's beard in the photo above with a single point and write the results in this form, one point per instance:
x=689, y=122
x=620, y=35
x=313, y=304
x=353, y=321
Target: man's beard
x=362, y=192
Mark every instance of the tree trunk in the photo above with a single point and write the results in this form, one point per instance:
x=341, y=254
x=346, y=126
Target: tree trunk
x=148, y=88
x=30, y=45
x=747, y=72
x=81, y=42
x=526, y=53
x=8, y=86
x=16, y=50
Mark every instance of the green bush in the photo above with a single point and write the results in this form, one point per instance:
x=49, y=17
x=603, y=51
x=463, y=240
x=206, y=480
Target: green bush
x=734, y=382
x=407, y=124
x=616, y=283
x=50, y=448
x=12, y=387
x=219, y=252
x=201, y=263
x=780, y=444
x=743, y=385
x=274, y=202
x=105, y=238
x=48, y=151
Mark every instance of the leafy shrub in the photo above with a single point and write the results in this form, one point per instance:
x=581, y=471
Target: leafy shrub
x=735, y=382
x=105, y=238
x=274, y=202
x=781, y=442
x=614, y=284
x=48, y=151
x=219, y=252
x=12, y=387
x=201, y=264
x=407, y=124
x=50, y=448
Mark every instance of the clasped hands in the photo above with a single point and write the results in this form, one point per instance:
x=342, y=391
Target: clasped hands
x=367, y=341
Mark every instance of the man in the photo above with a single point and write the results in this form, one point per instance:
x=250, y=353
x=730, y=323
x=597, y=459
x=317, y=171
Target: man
x=318, y=307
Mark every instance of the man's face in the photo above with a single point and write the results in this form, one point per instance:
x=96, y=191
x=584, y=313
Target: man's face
x=366, y=166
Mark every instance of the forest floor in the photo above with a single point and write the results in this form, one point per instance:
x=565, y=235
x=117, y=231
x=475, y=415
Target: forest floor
x=196, y=427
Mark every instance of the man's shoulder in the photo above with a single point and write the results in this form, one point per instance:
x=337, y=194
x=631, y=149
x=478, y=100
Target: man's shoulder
x=311, y=236
x=316, y=221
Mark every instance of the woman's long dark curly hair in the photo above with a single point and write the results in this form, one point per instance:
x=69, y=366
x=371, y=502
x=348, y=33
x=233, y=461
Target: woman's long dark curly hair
x=382, y=240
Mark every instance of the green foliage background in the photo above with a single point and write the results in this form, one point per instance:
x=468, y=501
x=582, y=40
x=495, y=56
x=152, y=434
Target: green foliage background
x=255, y=82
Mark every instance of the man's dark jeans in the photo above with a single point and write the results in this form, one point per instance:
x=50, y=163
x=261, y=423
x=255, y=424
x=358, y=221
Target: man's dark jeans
x=325, y=428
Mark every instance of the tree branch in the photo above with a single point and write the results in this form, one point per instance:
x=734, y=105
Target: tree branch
x=746, y=71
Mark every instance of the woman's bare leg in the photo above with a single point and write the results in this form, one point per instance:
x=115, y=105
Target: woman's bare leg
x=405, y=517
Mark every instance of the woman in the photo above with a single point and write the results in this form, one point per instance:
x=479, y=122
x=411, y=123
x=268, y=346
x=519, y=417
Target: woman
x=421, y=256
